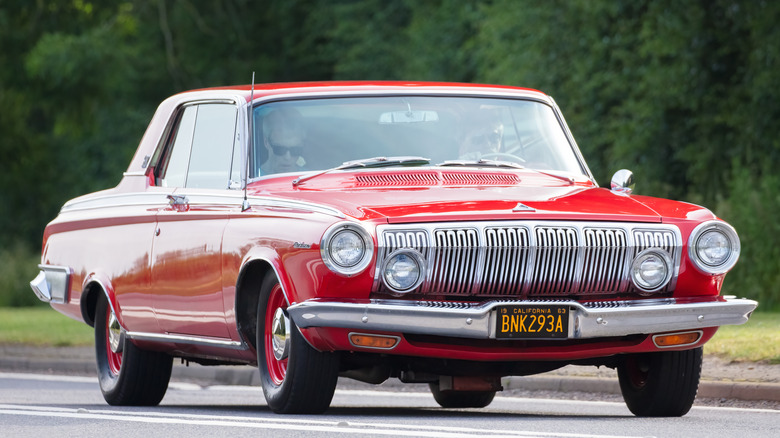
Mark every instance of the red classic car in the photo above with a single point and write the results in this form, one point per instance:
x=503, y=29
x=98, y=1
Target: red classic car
x=448, y=234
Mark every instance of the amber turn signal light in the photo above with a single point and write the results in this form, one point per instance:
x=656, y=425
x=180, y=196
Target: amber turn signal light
x=676, y=339
x=373, y=341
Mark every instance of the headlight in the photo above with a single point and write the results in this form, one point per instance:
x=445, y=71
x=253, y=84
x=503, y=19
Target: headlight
x=651, y=270
x=403, y=271
x=346, y=248
x=714, y=247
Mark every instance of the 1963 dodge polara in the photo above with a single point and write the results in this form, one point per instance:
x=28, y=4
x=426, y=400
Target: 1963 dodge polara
x=448, y=234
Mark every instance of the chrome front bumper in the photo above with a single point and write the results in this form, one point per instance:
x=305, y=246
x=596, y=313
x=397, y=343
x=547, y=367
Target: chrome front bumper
x=463, y=320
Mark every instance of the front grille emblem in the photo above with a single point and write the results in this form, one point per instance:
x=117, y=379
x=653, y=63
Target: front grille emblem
x=522, y=207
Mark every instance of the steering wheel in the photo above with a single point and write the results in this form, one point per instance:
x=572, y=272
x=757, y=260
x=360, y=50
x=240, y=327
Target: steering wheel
x=503, y=156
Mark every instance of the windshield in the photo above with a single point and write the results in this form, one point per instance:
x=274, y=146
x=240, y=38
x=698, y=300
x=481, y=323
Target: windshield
x=319, y=134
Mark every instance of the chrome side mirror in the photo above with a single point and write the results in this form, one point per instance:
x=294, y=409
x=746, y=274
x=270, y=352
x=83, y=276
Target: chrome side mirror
x=622, y=182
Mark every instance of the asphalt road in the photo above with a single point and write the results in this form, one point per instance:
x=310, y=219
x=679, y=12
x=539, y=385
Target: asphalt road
x=52, y=405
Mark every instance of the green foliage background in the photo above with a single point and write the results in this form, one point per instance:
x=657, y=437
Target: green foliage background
x=684, y=93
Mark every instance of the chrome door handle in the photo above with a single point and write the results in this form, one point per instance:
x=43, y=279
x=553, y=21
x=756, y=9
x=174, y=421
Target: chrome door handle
x=179, y=202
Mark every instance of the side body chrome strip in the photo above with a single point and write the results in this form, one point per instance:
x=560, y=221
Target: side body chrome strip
x=186, y=339
x=161, y=200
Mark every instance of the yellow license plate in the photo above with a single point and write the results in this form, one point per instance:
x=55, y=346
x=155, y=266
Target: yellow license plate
x=532, y=321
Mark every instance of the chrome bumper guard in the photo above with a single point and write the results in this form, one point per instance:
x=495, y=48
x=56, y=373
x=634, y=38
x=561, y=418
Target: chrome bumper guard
x=52, y=285
x=478, y=321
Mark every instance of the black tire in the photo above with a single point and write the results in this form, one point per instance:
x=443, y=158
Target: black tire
x=461, y=399
x=662, y=384
x=304, y=381
x=133, y=377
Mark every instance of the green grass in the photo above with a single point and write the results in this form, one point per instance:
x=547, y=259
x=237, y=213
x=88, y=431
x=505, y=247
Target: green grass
x=756, y=341
x=42, y=326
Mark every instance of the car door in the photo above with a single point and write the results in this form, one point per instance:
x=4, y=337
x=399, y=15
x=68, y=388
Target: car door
x=198, y=163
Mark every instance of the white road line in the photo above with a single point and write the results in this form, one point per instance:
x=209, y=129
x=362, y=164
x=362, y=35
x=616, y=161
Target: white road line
x=183, y=386
x=732, y=409
x=281, y=423
x=48, y=378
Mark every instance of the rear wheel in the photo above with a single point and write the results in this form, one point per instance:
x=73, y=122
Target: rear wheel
x=128, y=376
x=662, y=384
x=461, y=399
x=296, y=378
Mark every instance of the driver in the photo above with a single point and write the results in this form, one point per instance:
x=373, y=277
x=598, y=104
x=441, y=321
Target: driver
x=285, y=140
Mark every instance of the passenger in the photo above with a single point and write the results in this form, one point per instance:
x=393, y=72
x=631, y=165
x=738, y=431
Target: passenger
x=483, y=136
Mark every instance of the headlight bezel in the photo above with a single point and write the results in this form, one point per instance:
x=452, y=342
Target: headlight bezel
x=419, y=261
x=326, y=245
x=725, y=230
x=636, y=267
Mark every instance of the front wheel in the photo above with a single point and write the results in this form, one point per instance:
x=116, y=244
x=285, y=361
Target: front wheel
x=128, y=376
x=662, y=384
x=296, y=378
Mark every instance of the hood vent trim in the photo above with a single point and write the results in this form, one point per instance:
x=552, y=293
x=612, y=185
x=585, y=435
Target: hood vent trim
x=428, y=179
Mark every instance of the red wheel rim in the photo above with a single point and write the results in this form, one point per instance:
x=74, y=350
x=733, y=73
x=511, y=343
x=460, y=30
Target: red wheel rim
x=637, y=377
x=114, y=359
x=277, y=369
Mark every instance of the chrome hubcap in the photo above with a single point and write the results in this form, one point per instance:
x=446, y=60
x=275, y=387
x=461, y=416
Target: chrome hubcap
x=281, y=338
x=115, y=334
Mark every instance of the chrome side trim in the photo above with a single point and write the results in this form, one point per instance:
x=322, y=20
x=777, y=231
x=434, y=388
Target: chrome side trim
x=479, y=321
x=302, y=205
x=184, y=339
x=52, y=285
x=160, y=199
x=117, y=200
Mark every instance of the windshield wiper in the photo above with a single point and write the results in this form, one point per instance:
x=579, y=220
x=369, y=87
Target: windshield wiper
x=481, y=163
x=384, y=162
x=368, y=163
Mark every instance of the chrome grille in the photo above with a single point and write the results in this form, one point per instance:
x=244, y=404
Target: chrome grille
x=506, y=260
x=605, y=262
x=455, y=257
x=527, y=259
x=555, y=262
x=644, y=238
x=415, y=239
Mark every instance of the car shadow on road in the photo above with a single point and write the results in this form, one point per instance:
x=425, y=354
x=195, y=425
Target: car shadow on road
x=357, y=412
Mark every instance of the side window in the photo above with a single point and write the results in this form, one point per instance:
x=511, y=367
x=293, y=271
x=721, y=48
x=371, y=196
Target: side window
x=177, y=160
x=212, y=146
x=201, y=150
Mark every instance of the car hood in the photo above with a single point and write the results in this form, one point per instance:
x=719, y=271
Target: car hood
x=401, y=197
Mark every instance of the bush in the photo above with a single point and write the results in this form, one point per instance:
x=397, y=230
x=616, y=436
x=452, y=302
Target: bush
x=18, y=266
x=753, y=208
